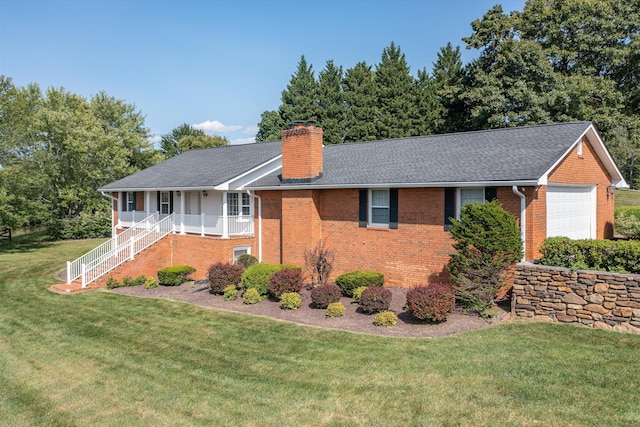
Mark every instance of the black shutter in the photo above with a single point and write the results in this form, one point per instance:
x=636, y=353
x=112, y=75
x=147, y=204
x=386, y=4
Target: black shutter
x=449, y=206
x=490, y=194
x=124, y=201
x=362, y=212
x=171, y=202
x=158, y=199
x=393, y=208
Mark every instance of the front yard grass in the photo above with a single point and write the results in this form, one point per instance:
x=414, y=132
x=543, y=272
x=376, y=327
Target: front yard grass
x=100, y=358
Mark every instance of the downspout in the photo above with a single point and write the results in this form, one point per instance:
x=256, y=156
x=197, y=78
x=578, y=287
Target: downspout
x=523, y=219
x=259, y=223
x=113, y=228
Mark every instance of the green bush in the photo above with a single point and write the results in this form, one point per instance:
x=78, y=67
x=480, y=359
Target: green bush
x=284, y=281
x=323, y=295
x=355, y=279
x=84, y=226
x=150, y=283
x=385, y=318
x=247, y=260
x=621, y=256
x=257, y=276
x=112, y=283
x=290, y=301
x=487, y=242
x=230, y=293
x=174, y=276
x=357, y=292
x=335, y=309
x=252, y=296
x=223, y=274
x=375, y=299
x=432, y=302
x=627, y=222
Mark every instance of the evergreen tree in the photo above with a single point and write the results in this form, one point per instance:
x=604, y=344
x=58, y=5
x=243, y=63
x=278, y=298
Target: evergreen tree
x=299, y=100
x=361, y=103
x=426, y=119
x=270, y=127
x=448, y=74
x=394, y=90
x=332, y=108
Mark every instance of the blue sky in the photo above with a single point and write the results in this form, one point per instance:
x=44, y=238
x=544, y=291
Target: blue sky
x=216, y=64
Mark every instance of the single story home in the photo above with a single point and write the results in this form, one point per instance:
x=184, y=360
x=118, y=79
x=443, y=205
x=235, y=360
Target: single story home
x=380, y=205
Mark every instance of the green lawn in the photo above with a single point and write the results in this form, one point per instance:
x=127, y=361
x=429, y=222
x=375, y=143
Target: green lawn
x=99, y=358
x=627, y=198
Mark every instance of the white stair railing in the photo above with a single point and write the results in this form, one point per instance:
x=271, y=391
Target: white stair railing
x=119, y=249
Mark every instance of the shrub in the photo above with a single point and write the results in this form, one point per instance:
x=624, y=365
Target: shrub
x=621, y=256
x=174, y=276
x=355, y=279
x=335, y=309
x=285, y=280
x=385, y=318
x=247, y=260
x=375, y=299
x=252, y=296
x=290, y=300
x=319, y=263
x=487, y=241
x=221, y=275
x=112, y=283
x=150, y=283
x=323, y=295
x=627, y=222
x=432, y=302
x=357, y=292
x=230, y=293
x=257, y=276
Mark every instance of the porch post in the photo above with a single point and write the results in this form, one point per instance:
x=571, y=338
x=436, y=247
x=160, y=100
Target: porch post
x=68, y=272
x=119, y=224
x=147, y=203
x=183, y=196
x=225, y=217
x=202, y=224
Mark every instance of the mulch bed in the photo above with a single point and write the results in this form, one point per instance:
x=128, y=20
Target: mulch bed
x=353, y=320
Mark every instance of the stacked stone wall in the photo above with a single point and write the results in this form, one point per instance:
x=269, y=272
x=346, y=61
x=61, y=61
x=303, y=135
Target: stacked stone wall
x=601, y=300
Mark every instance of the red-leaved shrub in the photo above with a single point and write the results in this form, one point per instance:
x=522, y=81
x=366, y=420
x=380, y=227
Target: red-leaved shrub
x=375, y=299
x=432, y=302
x=323, y=295
x=221, y=275
x=284, y=281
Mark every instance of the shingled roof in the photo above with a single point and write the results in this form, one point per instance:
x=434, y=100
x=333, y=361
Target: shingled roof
x=518, y=155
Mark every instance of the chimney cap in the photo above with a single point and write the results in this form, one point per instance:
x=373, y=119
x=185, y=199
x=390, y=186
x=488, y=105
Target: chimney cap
x=303, y=123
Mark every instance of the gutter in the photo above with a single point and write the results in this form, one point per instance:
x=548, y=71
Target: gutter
x=523, y=220
x=259, y=223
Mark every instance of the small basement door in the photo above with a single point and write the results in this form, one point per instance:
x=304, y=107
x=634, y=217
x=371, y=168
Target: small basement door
x=571, y=212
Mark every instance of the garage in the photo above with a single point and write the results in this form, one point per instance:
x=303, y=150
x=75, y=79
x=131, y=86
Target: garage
x=571, y=212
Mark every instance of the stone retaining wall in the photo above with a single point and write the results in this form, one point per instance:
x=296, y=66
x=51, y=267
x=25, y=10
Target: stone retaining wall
x=601, y=300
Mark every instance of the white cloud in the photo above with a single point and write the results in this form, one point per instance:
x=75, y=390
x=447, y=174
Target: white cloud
x=155, y=139
x=240, y=141
x=250, y=130
x=214, y=126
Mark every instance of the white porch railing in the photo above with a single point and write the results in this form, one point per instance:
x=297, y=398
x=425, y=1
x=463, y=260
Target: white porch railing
x=131, y=218
x=213, y=224
x=119, y=249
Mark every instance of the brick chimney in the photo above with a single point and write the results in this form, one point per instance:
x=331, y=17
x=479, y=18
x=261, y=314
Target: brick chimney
x=302, y=152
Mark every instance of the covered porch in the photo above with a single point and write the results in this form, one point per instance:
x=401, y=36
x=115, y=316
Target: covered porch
x=202, y=212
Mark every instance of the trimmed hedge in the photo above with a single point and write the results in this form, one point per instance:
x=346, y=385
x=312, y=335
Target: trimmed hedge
x=290, y=301
x=174, y=276
x=223, y=274
x=323, y=295
x=257, y=276
x=335, y=309
x=432, y=302
x=620, y=256
x=355, y=279
x=375, y=299
x=284, y=281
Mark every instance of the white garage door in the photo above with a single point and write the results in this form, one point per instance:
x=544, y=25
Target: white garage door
x=571, y=212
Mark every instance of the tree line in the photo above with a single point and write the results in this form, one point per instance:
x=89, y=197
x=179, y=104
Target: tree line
x=554, y=61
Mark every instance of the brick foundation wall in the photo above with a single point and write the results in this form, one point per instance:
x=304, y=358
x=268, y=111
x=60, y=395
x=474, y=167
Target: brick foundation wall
x=601, y=300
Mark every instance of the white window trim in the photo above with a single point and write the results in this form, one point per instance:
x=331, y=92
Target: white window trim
x=370, y=208
x=240, y=248
x=240, y=205
x=459, y=197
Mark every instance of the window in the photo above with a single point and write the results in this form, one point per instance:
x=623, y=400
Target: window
x=240, y=250
x=471, y=195
x=379, y=213
x=131, y=201
x=164, y=203
x=238, y=204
